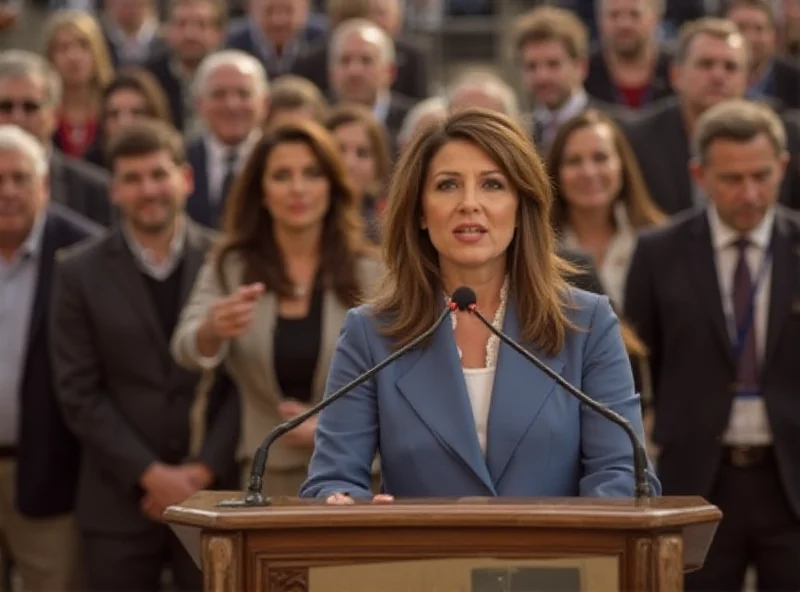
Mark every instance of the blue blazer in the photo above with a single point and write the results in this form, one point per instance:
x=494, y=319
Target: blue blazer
x=416, y=413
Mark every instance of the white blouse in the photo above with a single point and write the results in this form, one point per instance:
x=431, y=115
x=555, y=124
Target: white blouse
x=480, y=382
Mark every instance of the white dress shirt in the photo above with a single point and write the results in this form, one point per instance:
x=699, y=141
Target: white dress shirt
x=480, y=383
x=217, y=163
x=613, y=272
x=748, y=424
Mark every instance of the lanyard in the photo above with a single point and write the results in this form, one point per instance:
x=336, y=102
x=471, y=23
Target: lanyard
x=747, y=322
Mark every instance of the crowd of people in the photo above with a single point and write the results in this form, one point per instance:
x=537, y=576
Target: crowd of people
x=191, y=202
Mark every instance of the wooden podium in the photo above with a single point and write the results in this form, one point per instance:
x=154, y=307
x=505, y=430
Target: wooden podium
x=452, y=545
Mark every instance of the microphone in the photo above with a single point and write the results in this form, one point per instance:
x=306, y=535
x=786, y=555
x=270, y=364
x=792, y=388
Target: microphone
x=465, y=300
x=253, y=496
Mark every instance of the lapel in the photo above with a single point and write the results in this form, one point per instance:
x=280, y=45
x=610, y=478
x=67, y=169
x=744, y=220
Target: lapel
x=434, y=386
x=700, y=258
x=44, y=278
x=784, y=284
x=518, y=395
x=199, y=204
x=129, y=279
x=193, y=258
x=58, y=185
x=676, y=140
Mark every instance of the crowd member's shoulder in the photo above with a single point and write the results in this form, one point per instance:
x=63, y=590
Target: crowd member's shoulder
x=675, y=229
x=75, y=226
x=86, y=170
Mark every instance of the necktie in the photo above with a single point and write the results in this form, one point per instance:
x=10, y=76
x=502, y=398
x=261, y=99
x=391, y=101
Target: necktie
x=230, y=175
x=747, y=364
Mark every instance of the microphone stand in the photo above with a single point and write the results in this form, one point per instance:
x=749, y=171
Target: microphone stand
x=643, y=489
x=253, y=496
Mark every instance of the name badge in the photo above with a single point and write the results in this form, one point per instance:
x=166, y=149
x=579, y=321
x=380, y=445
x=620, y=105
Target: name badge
x=748, y=420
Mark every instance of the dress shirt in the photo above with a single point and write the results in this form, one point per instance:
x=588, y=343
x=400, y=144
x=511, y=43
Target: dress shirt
x=551, y=120
x=132, y=49
x=158, y=270
x=726, y=257
x=382, y=104
x=217, y=161
x=275, y=64
x=18, y=280
x=480, y=384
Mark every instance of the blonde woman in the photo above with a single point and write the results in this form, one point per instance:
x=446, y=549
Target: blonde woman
x=74, y=44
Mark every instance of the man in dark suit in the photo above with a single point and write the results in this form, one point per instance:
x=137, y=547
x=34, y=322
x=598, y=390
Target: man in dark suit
x=233, y=126
x=710, y=67
x=552, y=48
x=115, y=304
x=30, y=92
x=194, y=29
x=716, y=298
x=276, y=32
x=362, y=68
x=630, y=67
x=771, y=75
x=38, y=455
x=411, y=70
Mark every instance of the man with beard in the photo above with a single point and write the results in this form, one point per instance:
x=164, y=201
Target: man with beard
x=231, y=92
x=711, y=66
x=38, y=455
x=629, y=68
x=362, y=69
x=716, y=298
x=193, y=30
x=552, y=49
x=115, y=304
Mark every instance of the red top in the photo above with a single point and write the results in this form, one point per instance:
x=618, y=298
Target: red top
x=75, y=140
x=633, y=95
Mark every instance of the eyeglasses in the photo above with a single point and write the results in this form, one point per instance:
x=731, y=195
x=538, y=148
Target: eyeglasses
x=28, y=107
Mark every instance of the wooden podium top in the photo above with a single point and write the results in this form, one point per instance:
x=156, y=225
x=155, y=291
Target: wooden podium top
x=202, y=510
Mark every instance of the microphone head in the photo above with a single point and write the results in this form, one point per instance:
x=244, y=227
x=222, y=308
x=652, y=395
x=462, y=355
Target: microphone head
x=464, y=297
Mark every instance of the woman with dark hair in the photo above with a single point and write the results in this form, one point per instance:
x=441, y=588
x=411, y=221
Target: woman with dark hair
x=365, y=149
x=132, y=95
x=271, y=301
x=464, y=415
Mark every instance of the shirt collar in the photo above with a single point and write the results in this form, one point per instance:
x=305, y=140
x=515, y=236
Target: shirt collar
x=265, y=46
x=723, y=236
x=219, y=151
x=381, y=108
x=32, y=246
x=143, y=36
x=143, y=255
x=574, y=105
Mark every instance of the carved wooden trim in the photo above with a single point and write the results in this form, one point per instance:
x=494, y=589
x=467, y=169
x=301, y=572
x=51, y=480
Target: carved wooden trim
x=643, y=565
x=288, y=580
x=221, y=563
x=669, y=564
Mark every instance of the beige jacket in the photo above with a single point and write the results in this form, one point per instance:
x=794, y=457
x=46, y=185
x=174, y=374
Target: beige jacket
x=250, y=357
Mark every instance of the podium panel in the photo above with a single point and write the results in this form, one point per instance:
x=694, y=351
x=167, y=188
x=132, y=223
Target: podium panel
x=455, y=545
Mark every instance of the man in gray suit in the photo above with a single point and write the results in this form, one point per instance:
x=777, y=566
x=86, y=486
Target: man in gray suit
x=115, y=304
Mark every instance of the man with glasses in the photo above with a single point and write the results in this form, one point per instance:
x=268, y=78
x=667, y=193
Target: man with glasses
x=30, y=92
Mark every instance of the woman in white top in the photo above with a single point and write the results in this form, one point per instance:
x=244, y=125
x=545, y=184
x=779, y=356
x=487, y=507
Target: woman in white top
x=601, y=199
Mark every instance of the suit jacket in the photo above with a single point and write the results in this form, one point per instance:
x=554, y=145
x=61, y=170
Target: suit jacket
x=599, y=84
x=47, y=465
x=240, y=37
x=674, y=302
x=122, y=395
x=665, y=164
x=412, y=78
x=786, y=83
x=82, y=187
x=417, y=414
x=250, y=357
x=159, y=67
x=200, y=206
x=156, y=46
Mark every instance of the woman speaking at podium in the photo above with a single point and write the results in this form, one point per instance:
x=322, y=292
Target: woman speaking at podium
x=463, y=414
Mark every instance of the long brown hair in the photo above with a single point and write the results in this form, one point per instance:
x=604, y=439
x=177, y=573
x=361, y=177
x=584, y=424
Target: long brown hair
x=347, y=114
x=641, y=209
x=249, y=230
x=409, y=296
